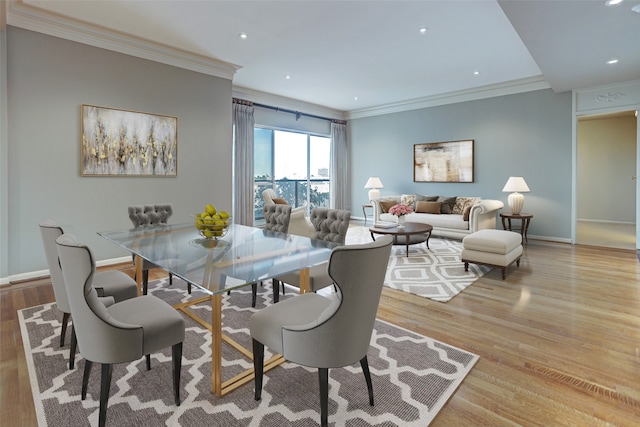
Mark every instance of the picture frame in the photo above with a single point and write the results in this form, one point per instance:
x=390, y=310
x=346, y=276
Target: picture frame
x=117, y=142
x=449, y=161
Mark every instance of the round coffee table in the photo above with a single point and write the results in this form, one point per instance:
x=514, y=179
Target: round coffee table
x=411, y=234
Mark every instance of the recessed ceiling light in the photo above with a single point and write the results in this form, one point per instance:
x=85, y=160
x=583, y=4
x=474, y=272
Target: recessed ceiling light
x=475, y=73
x=613, y=2
x=613, y=61
x=243, y=35
x=423, y=30
x=287, y=77
x=355, y=98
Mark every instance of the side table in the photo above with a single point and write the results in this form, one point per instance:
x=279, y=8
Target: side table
x=364, y=211
x=525, y=219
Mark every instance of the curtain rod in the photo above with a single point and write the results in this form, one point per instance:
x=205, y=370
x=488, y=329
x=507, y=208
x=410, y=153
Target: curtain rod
x=298, y=113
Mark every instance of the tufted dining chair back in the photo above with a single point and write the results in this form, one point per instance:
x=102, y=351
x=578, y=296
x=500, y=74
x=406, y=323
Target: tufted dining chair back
x=141, y=215
x=277, y=217
x=331, y=224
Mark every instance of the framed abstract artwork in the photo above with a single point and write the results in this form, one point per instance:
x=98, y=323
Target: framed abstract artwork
x=450, y=161
x=127, y=143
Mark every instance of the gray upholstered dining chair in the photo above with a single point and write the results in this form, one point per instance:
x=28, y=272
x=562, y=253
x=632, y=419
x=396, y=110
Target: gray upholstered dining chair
x=111, y=285
x=331, y=225
x=299, y=223
x=319, y=332
x=144, y=216
x=122, y=332
x=276, y=218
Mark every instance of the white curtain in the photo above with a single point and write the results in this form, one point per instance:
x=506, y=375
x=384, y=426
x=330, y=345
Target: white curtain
x=340, y=195
x=243, y=203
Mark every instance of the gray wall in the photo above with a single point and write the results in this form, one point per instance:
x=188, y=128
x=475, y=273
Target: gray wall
x=48, y=79
x=527, y=135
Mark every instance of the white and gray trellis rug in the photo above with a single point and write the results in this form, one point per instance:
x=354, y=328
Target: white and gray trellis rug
x=435, y=272
x=413, y=377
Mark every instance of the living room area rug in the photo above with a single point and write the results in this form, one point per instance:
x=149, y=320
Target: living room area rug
x=435, y=272
x=413, y=376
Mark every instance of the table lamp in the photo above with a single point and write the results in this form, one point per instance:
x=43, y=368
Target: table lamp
x=374, y=183
x=516, y=185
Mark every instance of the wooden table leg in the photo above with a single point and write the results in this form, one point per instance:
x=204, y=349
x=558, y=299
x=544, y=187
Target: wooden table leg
x=139, y=279
x=305, y=281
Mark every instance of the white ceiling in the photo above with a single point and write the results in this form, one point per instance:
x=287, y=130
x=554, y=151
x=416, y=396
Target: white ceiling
x=337, y=50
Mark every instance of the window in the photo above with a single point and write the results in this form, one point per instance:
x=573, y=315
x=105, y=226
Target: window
x=295, y=165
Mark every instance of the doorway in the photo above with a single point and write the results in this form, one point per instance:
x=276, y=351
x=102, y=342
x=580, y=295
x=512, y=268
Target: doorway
x=606, y=180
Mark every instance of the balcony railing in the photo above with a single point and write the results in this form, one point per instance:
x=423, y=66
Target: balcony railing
x=295, y=192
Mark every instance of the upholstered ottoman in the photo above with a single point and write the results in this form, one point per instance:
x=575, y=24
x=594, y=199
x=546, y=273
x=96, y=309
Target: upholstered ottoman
x=496, y=248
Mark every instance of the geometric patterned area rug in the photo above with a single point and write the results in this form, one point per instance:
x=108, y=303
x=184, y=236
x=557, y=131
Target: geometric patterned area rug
x=413, y=377
x=435, y=272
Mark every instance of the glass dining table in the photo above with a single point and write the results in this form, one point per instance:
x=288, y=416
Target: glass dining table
x=245, y=255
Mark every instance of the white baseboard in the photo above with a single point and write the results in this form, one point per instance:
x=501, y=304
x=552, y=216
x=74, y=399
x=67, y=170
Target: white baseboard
x=4, y=281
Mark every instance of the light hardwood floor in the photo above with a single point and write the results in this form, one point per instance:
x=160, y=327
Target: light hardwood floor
x=559, y=341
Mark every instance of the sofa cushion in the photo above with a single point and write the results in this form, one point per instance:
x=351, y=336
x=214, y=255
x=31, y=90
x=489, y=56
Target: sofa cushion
x=428, y=207
x=420, y=198
x=408, y=199
x=385, y=205
x=466, y=212
x=462, y=203
x=447, y=204
x=279, y=201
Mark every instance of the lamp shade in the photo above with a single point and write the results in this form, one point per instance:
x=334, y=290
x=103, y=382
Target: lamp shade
x=374, y=183
x=516, y=185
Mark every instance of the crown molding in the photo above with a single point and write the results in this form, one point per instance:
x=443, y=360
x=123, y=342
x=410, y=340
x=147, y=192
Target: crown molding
x=490, y=91
x=286, y=103
x=19, y=14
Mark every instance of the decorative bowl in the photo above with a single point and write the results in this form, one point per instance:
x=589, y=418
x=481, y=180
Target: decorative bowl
x=211, y=228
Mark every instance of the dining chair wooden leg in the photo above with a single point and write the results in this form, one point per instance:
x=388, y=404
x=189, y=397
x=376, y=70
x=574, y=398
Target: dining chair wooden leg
x=275, y=284
x=176, y=358
x=258, y=367
x=323, y=378
x=148, y=357
x=254, y=293
x=145, y=281
x=85, y=378
x=72, y=348
x=367, y=376
x=63, y=332
x=105, y=385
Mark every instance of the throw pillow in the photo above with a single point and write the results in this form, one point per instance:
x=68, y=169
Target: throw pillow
x=428, y=207
x=463, y=202
x=408, y=199
x=465, y=213
x=386, y=205
x=420, y=198
x=279, y=201
x=447, y=204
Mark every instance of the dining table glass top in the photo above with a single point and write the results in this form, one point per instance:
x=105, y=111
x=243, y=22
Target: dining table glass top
x=244, y=255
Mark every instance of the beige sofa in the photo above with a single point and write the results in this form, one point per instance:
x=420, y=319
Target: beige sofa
x=480, y=213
